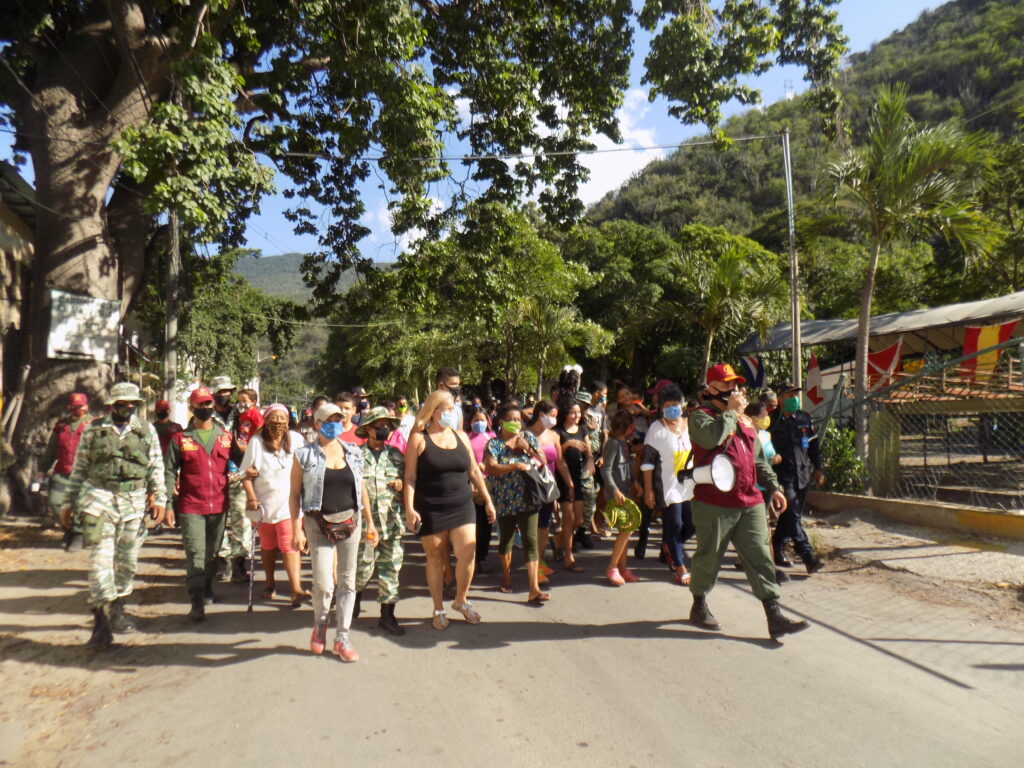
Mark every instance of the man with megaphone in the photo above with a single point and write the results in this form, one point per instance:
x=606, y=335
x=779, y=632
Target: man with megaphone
x=727, y=505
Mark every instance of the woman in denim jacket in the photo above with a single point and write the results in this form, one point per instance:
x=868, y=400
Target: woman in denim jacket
x=327, y=486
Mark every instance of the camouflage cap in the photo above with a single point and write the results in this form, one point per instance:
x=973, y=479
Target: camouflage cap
x=218, y=383
x=123, y=392
x=375, y=414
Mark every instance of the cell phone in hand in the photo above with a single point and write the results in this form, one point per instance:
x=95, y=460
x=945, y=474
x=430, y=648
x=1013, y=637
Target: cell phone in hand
x=416, y=527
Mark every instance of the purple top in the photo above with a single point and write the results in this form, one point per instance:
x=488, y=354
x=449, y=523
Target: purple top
x=478, y=442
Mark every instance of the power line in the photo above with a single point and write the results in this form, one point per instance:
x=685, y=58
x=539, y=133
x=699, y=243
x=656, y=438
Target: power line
x=309, y=324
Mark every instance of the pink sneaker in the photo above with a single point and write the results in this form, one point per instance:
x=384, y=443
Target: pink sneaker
x=615, y=577
x=343, y=650
x=629, y=576
x=318, y=639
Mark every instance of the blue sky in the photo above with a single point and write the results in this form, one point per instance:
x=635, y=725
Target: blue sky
x=642, y=124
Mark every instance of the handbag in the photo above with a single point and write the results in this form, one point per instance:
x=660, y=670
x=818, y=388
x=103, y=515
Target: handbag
x=335, y=526
x=539, y=486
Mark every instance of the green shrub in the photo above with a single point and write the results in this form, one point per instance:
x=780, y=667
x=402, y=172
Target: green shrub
x=844, y=472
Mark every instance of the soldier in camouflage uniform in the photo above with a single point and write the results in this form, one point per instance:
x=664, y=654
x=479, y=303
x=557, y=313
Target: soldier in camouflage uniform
x=60, y=455
x=383, y=468
x=118, y=474
x=237, y=542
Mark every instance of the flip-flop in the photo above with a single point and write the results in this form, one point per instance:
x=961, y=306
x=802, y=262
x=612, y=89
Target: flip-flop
x=440, y=620
x=539, y=599
x=574, y=567
x=506, y=588
x=299, y=599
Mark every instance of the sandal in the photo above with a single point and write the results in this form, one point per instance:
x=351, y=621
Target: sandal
x=440, y=620
x=574, y=567
x=539, y=599
x=629, y=577
x=300, y=598
x=506, y=587
x=466, y=609
x=682, y=579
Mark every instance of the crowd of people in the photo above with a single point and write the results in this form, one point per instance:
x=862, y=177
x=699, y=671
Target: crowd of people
x=347, y=479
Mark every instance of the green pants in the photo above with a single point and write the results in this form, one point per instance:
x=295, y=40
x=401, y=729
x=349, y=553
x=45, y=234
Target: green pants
x=55, y=500
x=526, y=522
x=588, y=493
x=387, y=559
x=113, y=557
x=201, y=536
x=747, y=530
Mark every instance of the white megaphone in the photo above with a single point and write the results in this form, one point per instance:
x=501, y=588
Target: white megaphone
x=719, y=473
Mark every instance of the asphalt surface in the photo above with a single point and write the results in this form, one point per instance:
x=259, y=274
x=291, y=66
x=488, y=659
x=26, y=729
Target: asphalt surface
x=600, y=676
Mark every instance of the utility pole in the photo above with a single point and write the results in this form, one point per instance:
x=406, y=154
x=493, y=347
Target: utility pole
x=794, y=267
x=171, y=321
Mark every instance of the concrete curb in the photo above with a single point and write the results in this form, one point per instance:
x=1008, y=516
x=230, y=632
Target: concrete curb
x=935, y=514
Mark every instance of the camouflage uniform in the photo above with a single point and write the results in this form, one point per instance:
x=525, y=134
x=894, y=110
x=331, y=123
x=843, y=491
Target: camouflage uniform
x=594, y=421
x=380, y=469
x=113, y=474
x=237, y=541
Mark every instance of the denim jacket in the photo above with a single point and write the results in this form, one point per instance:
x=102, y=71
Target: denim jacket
x=313, y=460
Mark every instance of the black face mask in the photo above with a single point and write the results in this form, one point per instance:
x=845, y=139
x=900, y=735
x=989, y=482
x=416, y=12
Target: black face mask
x=202, y=414
x=222, y=400
x=162, y=414
x=381, y=432
x=723, y=397
x=454, y=392
x=122, y=414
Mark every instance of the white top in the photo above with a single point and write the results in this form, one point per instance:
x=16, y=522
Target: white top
x=273, y=484
x=674, y=450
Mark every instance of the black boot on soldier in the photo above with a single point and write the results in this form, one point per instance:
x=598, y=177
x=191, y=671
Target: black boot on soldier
x=101, y=637
x=238, y=573
x=198, y=612
x=701, y=616
x=812, y=563
x=208, y=597
x=779, y=625
x=120, y=622
x=387, y=620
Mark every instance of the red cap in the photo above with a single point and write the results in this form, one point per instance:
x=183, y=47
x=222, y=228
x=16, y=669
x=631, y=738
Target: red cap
x=77, y=400
x=163, y=405
x=659, y=386
x=199, y=396
x=724, y=373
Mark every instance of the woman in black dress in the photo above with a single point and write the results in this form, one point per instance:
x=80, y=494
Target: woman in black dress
x=572, y=435
x=439, y=468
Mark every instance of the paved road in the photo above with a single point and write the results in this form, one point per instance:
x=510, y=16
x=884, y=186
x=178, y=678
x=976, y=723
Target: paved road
x=601, y=676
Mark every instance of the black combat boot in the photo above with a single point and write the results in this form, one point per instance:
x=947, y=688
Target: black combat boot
x=208, y=597
x=73, y=542
x=120, y=622
x=812, y=563
x=779, y=625
x=220, y=568
x=583, y=537
x=779, y=556
x=701, y=616
x=198, y=612
x=357, y=606
x=239, y=575
x=387, y=620
x=101, y=637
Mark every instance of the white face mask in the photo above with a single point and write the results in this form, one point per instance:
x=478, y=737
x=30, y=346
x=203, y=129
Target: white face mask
x=548, y=421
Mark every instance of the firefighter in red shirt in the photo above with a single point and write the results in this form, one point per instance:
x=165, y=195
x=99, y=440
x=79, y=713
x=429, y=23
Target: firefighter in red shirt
x=60, y=455
x=197, y=460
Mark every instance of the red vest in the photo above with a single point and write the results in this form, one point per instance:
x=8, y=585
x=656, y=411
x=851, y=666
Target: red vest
x=67, y=445
x=203, y=477
x=164, y=430
x=741, y=453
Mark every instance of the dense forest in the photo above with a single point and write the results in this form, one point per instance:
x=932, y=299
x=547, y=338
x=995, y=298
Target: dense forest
x=645, y=284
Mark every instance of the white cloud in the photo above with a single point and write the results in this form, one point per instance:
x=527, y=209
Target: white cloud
x=609, y=170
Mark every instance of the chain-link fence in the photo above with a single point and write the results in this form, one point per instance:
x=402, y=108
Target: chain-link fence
x=952, y=431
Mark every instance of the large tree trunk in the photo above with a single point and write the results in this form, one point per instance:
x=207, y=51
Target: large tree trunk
x=861, y=364
x=83, y=97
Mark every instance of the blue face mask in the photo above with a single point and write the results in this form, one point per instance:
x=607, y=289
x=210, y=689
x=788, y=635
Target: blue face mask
x=673, y=412
x=332, y=429
x=450, y=419
x=479, y=427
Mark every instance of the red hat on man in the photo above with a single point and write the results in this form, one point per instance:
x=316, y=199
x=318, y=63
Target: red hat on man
x=199, y=396
x=163, y=405
x=78, y=400
x=724, y=373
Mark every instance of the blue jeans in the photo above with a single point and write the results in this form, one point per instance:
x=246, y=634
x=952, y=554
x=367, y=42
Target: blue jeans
x=678, y=521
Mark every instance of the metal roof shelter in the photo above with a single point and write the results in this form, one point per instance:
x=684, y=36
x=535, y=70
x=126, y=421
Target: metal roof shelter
x=923, y=330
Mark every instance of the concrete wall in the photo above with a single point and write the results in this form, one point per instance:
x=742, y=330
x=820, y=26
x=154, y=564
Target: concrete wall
x=934, y=514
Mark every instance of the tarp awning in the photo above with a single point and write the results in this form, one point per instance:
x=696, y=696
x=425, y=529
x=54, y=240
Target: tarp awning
x=923, y=330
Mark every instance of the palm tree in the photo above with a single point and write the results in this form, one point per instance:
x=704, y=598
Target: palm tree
x=907, y=182
x=555, y=327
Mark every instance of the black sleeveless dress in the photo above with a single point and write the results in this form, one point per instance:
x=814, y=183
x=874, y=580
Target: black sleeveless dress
x=443, y=496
